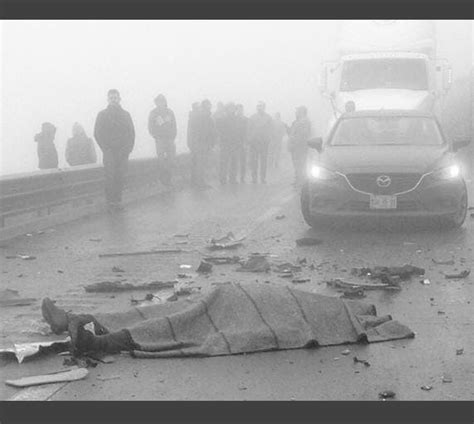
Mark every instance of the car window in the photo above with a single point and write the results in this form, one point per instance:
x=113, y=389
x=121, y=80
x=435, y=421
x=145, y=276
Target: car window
x=386, y=130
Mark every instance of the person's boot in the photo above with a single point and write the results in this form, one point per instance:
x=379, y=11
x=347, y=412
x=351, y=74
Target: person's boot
x=56, y=318
x=108, y=343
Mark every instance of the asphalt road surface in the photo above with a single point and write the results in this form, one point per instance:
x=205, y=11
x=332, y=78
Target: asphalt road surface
x=441, y=314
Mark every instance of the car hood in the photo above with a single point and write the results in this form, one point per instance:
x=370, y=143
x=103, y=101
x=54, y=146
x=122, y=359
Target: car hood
x=375, y=99
x=388, y=159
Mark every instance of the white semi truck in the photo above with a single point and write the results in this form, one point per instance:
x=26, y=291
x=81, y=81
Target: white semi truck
x=386, y=65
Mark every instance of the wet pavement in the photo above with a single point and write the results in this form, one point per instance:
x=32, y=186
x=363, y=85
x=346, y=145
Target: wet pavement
x=67, y=259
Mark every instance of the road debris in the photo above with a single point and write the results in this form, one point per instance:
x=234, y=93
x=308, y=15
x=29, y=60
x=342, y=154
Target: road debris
x=361, y=361
x=339, y=284
x=97, y=240
x=57, y=377
x=386, y=273
x=443, y=262
x=387, y=394
x=462, y=274
x=227, y=242
x=184, y=276
x=148, y=298
x=278, y=217
x=9, y=297
x=308, y=241
x=426, y=388
x=25, y=350
x=255, y=264
x=346, y=352
x=353, y=293
x=287, y=267
x=460, y=351
x=117, y=269
x=138, y=253
x=204, y=267
x=112, y=377
x=425, y=282
x=118, y=286
x=300, y=280
x=447, y=379
x=187, y=291
x=185, y=266
x=222, y=260
x=21, y=256
x=181, y=235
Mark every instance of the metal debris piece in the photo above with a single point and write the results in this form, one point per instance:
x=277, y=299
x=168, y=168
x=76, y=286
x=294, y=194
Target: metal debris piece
x=184, y=276
x=425, y=282
x=25, y=350
x=21, y=256
x=462, y=274
x=145, y=252
x=227, y=242
x=255, y=264
x=353, y=293
x=113, y=377
x=185, y=266
x=118, y=286
x=308, y=241
x=117, y=269
x=447, y=379
x=345, y=352
x=426, y=388
x=460, y=351
x=222, y=260
x=56, y=377
x=339, y=284
x=361, y=361
x=204, y=268
x=300, y=280
x=387, y=394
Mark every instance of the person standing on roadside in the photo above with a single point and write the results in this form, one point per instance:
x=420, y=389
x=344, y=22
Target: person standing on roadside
x=242, y=130
x=279, y=131
x=299, y=134
x=227, y=128
x=115, y=135
x=47, y=153
x=260, y=133
x=162, y=127
x=80, y=148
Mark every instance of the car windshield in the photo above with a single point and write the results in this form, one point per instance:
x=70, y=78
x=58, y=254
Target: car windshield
x=386, y=130
x=384, y=73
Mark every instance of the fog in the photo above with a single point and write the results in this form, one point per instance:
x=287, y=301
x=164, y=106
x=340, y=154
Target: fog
x=60, y=71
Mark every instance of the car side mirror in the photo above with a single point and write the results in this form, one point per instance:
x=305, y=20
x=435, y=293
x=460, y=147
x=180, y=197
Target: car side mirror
x=459, y=144
x=316, y=143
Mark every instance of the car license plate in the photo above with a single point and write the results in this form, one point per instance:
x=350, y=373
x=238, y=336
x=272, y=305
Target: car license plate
x=383, y=202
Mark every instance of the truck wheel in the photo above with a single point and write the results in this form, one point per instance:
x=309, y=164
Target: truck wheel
x=310, y=219
x=456, y=220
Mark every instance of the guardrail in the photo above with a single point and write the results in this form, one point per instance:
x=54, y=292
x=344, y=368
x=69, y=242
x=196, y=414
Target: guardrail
x=52, y=196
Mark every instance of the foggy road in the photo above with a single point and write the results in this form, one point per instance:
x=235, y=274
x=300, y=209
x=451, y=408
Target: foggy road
x=441, y=314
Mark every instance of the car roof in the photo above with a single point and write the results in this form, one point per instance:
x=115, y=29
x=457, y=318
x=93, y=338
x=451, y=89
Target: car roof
x=387, y=112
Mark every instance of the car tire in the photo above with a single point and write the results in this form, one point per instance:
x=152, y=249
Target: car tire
x=457, y=220
x=310, y=219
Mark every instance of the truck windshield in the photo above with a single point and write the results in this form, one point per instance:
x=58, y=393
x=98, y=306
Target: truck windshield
x=386, y=130
x=398, y=73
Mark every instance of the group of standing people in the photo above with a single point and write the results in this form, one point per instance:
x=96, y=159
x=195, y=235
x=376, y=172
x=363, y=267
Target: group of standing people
x=255, y=141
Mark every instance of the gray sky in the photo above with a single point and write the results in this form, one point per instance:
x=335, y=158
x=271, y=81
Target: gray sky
x=60, y=71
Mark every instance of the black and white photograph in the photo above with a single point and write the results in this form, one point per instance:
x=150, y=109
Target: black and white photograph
x=237, y=210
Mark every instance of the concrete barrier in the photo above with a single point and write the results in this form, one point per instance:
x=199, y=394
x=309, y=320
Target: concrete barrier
x=35, y=200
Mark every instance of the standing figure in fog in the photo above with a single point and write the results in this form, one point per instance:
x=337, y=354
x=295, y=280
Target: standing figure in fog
x=47, y=154
x=80, y=149
x=260, y=134
x=162, y=127
x=227, y=128
x=242, y=129
x=279, y=131
x=299, y=134
x=115, y=135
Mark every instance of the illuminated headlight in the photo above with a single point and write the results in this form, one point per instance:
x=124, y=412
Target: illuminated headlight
x=319, y=173
x=448, y=173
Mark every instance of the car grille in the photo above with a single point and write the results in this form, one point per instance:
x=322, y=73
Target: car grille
x=363, y=206
x=368, y=183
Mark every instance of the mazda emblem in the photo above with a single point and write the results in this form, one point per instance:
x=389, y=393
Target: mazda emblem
x=383, y=181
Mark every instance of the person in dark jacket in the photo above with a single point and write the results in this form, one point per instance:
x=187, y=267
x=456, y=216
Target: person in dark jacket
x=260, y=133
x=115, y=135
x=162, y=127
x=299, y=134
x=229, y=143
x=47, y=154
x=243, y=124
x=80, y=148
x=202, y=139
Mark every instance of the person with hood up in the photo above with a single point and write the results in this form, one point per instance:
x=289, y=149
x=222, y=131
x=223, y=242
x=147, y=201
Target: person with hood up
x=47, y=153
x=80, y=148
x=162, y=127
x=299, y=134
x=115, y=135
x=260, y=133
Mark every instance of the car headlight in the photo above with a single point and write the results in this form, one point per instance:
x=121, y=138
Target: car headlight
x=319, y=173
x=448, y=173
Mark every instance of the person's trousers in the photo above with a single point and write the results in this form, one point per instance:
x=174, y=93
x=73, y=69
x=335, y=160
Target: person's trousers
x=299, y=164
x=166, y=152
x=228, y=158
x=258, y=159
x=115, y=168
x=243, y=162
x=199, y=160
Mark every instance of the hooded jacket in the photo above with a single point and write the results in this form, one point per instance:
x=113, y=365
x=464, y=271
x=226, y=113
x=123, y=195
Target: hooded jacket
x=80, y=150
x=299, y=134
x=162, y=123
x=47, y=154
x=114, y=129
